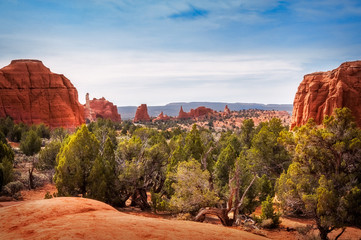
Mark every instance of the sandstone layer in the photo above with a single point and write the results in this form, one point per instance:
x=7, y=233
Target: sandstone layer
x=83, y=218
x=100, y=108
x=321, y=92
x=141, y=115
x=31, y=93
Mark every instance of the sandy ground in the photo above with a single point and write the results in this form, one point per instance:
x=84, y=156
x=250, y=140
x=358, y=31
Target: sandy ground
x=80, y=218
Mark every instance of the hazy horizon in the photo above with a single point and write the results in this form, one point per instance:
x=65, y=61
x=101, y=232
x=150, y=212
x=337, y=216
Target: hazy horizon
x=159, y=52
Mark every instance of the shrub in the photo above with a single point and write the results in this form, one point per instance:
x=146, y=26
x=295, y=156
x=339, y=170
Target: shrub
x=48, y=195
x=13, y=189
x=192, y=189
x=268, y=213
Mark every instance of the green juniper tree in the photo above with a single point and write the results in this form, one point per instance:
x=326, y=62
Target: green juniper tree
x=6, y=162
x=74, y=163
x=324, y=179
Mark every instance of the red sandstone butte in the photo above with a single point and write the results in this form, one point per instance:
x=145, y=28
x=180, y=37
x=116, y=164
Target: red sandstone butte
x=141, y=115
x=320, y=93
x=31, y=93
x=161, y=117
x=199, y=112
x=100, y=108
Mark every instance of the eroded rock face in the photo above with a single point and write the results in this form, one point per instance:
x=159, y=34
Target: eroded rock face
x=182, y=114
x=100, y=108
x=141, y=115
x=199, y=112
x=161, y=117
x=31, y=93
x=320, y=93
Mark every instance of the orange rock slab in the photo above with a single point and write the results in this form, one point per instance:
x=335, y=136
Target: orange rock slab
x=83, y=218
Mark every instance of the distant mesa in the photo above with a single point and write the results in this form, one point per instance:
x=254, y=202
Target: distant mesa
x=141, y=115
x=320, y=93
x=31, y=93
x=100, y=108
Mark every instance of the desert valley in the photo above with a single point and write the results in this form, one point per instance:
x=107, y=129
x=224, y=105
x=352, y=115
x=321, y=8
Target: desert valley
x=236, y=119
x=164, y=173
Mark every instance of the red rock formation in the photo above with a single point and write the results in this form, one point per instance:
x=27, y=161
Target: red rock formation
x=161, y=117
x=226, y=111
x=199, y=112
x=100, y=108
x=141, y=115
x=320, y=93
x=31, y=93
x=182, y=114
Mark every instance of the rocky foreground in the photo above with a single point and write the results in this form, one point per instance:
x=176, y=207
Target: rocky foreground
x=80, y=218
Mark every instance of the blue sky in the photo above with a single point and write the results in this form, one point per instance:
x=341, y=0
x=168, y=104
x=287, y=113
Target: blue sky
x=156, y=52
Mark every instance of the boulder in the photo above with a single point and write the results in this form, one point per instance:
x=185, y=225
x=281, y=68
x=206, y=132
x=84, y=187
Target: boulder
x=31, y=93
x=321, y=92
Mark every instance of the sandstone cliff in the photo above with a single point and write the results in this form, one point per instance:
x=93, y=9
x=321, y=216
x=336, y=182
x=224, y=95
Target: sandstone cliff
x=100, y=108
x=320, y=93
x=31, y=93
x=141, y=115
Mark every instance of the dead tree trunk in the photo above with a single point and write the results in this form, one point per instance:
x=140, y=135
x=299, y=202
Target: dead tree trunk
x=31, y=178
x=204, y=164
x=139, y=198
x=222, y=214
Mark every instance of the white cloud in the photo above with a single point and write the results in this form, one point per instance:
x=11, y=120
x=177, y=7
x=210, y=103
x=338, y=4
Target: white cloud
x=131, y=78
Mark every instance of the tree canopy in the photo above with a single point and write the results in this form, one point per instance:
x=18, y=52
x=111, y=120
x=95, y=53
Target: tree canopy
x=324, y=179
